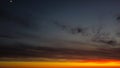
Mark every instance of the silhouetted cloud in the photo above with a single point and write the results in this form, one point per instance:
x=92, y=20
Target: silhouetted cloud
x=109, y=42
x=118, y=18
x=19, y=50
x=7, y=36
x=73, y=30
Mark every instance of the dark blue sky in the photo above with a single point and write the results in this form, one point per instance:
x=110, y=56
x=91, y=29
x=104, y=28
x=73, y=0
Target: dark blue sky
x=35, y=21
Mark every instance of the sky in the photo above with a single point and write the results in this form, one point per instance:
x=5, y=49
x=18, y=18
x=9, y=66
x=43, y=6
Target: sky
x=88, y=27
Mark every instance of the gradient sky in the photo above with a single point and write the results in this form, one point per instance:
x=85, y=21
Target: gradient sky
x=56, y=23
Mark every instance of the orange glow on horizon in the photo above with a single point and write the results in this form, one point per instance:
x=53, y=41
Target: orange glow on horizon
x=102, y=61
x=66, y=64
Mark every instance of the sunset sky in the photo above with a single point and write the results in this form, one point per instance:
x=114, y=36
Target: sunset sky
x=59, y=30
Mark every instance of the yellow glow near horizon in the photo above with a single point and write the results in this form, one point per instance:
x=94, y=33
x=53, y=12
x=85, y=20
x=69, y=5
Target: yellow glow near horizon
x=45, y=64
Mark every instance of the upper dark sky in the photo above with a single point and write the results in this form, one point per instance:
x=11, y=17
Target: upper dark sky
x=58, y=19
x=79, y=24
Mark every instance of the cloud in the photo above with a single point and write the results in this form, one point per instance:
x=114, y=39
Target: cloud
x=19, y=50
x=72, y=30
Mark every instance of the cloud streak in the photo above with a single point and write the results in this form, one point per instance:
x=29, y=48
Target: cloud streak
x=69, y=29
x=20, y=50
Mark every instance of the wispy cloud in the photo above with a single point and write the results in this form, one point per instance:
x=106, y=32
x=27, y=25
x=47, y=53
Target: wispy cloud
x=72, y=30
x=19, y=50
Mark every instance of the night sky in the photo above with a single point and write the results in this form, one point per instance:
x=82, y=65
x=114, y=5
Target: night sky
x=62, y=29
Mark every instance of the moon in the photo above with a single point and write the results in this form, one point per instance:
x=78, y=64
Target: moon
x=10, y=1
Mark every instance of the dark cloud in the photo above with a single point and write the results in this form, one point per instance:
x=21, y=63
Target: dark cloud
x=7, y=36
x=118, y=18
x=72, y=30
x=19, y=50
x=109, y=42
x=19, y=35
